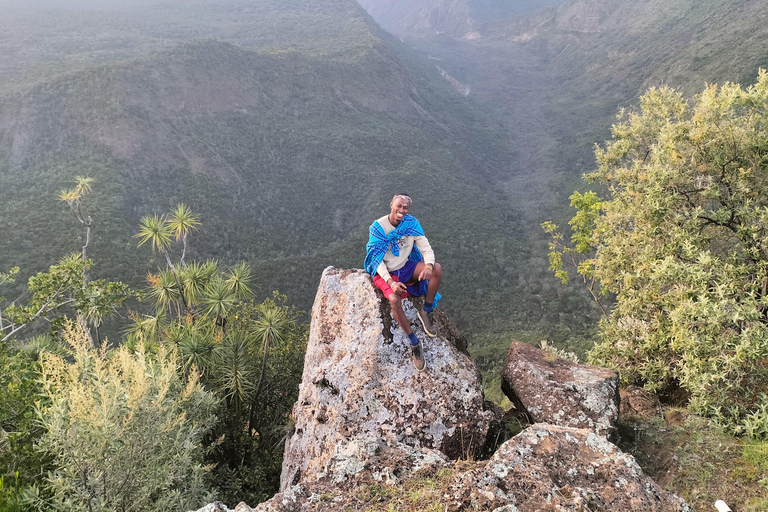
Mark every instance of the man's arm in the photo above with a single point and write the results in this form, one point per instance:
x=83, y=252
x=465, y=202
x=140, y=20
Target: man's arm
x=425, y=249
x=396, y=286
x=383, y=272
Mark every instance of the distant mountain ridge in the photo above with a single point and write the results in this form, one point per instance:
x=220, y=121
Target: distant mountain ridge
x=43, y=37
x=455, y=18
x=682, y=38
x=556, y=74
x=288, y=125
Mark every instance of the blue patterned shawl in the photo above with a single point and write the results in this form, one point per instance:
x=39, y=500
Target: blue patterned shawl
x=379, y=242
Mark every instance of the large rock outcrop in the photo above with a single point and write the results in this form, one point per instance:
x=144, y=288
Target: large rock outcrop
x=361, y=396
x=553, y=390
x=547, y=467
x=367, y=421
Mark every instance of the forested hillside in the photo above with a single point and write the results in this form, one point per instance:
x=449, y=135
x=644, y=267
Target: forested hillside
x=287, y=131
x=258, y=139
x=556, y=74
x=287, y=125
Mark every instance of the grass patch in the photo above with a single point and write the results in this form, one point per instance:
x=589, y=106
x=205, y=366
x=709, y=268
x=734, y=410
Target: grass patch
x=422, y=492
x=692, y=457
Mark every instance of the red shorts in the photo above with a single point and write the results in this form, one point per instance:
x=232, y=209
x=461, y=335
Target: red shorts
x=382, y=285
x=416, y=289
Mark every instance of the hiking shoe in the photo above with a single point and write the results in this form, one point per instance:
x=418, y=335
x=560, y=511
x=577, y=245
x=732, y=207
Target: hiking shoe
x=418, y=357
x=427, y=322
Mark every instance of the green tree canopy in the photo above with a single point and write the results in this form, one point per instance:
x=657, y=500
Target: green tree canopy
x=682, y=245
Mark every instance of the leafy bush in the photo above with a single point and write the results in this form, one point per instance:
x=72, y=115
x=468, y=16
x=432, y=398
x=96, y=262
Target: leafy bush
x=123, y=428
x=682, y=243
x=20, y=464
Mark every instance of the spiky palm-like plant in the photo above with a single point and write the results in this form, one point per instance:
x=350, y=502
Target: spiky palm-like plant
x=196, y=278
x=270, y=327
x=164, y=291
x=145, y=328
x=182, y=222
x=217, y=302
x=196, y=347
x=156, y=230
x=72, y=198
x=238, y=281
x=234, y=371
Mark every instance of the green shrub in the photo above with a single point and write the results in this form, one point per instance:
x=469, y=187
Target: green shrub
x=682, y=244
x=124, y=430
x=20, y=464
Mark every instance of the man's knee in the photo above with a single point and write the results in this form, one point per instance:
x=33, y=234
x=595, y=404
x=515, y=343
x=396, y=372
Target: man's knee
x=437, y=270
x=395, y=300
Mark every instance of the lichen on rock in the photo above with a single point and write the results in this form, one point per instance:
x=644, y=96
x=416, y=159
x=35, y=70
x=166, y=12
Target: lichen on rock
x=553, y=390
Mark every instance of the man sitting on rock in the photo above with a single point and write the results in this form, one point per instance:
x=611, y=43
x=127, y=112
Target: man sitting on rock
x=402, y=263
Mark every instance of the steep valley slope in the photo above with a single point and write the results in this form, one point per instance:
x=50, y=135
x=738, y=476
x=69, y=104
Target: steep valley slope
x=287, y=126
x=556, y=74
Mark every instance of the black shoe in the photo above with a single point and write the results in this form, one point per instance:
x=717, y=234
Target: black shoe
x=418, y=357
x=427, y=322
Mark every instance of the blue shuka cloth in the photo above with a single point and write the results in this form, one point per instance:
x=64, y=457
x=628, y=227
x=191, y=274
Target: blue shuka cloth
x=379, y=242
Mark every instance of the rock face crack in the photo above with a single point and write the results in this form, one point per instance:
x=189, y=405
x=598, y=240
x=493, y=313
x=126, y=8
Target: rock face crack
x=324, y=384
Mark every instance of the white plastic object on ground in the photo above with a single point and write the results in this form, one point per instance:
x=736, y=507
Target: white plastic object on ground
x=722, y=507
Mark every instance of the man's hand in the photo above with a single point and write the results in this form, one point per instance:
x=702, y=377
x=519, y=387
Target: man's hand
x=426, y=273
x=398, y=287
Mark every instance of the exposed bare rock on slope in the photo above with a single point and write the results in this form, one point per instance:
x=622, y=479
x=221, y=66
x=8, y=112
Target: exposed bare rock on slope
x=553, y=390
x=366, y=423
x=361, y=396
x=547, y=467
x=544, y=468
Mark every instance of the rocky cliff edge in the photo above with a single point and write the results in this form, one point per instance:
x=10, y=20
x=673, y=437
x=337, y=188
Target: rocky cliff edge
x=366, y=419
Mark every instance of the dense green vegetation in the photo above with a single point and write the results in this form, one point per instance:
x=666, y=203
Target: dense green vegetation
x=262, y=115
x=288, y=156
x=203, y=380
x=555, y=78
x=694, y=457
x=680, y=244
x=123, y=430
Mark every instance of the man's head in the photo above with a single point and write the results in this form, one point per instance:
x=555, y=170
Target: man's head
x=399, y=207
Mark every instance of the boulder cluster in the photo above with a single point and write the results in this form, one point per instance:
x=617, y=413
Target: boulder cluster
x=366, y=417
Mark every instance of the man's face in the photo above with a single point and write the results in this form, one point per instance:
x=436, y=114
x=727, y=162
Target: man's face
x=399, y=207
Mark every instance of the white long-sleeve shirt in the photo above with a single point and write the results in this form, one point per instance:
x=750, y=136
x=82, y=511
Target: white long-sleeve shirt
x=390, y=263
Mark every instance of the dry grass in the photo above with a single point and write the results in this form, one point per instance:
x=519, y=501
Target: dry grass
x=690, y=456
x=422, y=492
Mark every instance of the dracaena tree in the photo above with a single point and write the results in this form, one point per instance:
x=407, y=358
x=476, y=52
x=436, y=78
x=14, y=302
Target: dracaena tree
x=680, y=243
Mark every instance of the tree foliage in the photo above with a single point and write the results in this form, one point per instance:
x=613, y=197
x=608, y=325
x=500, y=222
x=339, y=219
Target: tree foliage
x=20, y=464
x=682, y=245
x=62, y=289
x=124, y=429
x=132, y=428
x=249, y=355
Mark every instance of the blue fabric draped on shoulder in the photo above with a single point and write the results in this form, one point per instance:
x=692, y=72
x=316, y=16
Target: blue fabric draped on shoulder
x=379, y=242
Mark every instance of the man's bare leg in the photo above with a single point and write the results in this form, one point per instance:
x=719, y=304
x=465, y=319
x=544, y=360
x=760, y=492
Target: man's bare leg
x=397, y=311
x=422, y=273
x=434, y=275
x=418, y=350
